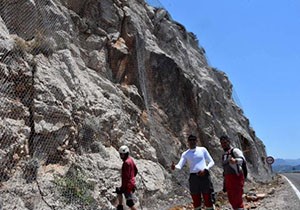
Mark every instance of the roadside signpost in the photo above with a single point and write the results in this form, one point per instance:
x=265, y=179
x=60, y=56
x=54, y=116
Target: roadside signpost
x=270, y=160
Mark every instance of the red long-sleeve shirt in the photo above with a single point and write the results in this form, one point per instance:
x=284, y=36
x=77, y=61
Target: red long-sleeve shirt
x=129, y=171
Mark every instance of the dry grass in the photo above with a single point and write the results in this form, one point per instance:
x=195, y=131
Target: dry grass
x=39, y=44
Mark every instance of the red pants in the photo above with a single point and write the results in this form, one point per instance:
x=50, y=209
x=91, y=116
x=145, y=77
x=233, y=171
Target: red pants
x=234, y=186
x=197, y=200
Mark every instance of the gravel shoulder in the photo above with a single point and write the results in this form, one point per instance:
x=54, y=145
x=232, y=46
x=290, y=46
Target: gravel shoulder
x=284, y=197
x=275, y=195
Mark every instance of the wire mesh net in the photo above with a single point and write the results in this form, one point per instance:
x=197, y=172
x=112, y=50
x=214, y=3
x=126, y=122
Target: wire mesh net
x=26, y=33
x=31, y=29
x=34, y=33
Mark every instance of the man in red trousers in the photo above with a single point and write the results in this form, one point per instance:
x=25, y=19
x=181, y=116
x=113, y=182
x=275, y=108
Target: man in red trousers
x=232, y=161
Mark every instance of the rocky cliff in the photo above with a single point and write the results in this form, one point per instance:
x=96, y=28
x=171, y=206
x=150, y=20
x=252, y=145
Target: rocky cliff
x=81, y=78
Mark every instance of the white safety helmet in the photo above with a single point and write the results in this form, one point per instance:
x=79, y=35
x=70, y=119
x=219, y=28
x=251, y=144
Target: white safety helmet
x=123, y=149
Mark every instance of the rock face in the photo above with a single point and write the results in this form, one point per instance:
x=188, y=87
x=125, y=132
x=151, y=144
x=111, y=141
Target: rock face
x=81, y=78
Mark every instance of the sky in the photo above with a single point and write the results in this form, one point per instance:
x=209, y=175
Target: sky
x=257, y=44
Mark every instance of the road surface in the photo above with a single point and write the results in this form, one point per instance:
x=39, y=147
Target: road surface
x=295, y=179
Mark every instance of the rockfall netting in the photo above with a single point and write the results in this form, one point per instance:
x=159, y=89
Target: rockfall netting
x=26, y=33
x=43, y=125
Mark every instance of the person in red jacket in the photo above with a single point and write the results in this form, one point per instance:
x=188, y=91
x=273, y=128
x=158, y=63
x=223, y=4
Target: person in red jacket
x=129, y=171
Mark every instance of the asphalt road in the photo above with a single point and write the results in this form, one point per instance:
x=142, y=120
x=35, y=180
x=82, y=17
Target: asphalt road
x=294, y=178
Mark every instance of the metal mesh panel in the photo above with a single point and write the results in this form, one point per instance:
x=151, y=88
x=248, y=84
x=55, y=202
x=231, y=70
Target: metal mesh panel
x=32, y=32
x=26, y=33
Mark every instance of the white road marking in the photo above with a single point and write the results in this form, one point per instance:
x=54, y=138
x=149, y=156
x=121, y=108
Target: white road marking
x=293, y=186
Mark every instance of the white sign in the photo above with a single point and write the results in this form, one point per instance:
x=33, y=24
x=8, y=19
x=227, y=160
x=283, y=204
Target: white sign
x=270, y=160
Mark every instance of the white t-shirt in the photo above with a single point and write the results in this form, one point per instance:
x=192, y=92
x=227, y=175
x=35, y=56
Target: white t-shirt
x=196, y=159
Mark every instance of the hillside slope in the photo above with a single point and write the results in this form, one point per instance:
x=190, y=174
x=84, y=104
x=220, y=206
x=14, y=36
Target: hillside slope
x=80, y=78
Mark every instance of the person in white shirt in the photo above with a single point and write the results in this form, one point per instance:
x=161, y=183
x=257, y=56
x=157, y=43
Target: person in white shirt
x=199, y=161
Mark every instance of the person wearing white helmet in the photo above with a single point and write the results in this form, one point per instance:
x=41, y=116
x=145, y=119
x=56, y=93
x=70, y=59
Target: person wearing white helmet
x=129, y=171
x=124, y=149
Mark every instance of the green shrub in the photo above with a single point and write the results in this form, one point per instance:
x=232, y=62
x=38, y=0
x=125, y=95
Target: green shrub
x=74, y=188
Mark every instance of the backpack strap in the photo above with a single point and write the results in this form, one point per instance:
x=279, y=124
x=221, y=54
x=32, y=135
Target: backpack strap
x=231, y=152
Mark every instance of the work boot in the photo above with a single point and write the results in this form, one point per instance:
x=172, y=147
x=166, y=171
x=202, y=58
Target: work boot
x=120, y=207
